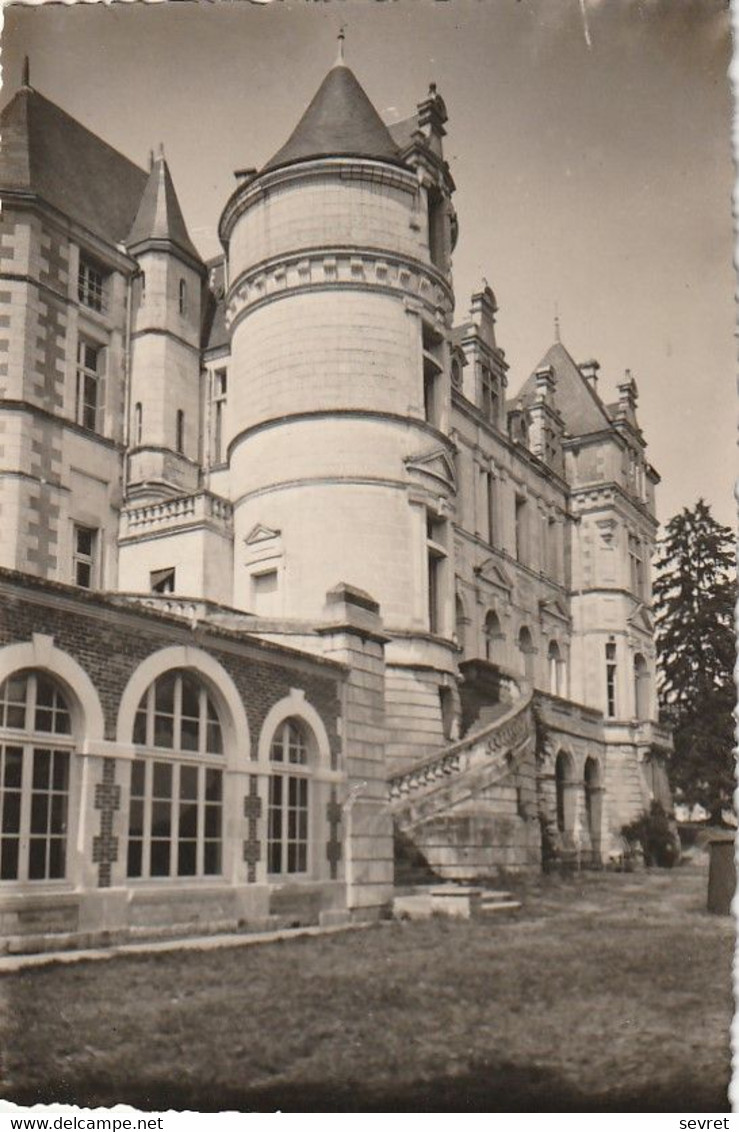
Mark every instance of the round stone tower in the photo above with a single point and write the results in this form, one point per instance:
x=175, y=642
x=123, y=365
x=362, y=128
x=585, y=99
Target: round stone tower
x=339, y=304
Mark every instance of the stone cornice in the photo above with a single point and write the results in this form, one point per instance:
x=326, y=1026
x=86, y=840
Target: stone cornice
x=416, y=423
x=337, y=268
x=607, y=494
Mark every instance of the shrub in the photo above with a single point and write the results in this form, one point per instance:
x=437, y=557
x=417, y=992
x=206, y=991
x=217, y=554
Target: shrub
x=655, y=831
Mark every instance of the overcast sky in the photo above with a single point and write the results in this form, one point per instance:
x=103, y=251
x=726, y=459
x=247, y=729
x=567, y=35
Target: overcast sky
x=589, y=141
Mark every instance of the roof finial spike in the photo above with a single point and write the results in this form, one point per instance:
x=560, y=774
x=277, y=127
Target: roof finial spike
x=556, y=323
x=340, y=53
x=161, y=151
x=151, y=160
x=26, y=80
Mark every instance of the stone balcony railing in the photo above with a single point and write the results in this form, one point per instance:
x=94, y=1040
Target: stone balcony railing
x=183, y=510
x=497, y=743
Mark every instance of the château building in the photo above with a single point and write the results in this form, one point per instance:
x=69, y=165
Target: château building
x=287, y=564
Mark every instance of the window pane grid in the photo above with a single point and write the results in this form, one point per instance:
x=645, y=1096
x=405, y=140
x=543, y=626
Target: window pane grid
x=34, y=780
x=287, y=824
x=90, y=286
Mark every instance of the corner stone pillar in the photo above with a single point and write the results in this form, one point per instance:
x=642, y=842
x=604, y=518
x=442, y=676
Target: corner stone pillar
x=352, y=634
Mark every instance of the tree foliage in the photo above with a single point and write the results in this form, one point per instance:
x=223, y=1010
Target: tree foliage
x=694, y=596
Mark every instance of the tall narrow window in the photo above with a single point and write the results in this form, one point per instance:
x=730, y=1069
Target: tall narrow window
x=563, y=776
x=611, y=679
x=636, y=563
x=460, y=621
x=90, y=282
x=180, y=432
x=183, y=297
x=521, y=520
x=436, y=554
x=432, y=373
x=641, y=687
x=84, y=553
x=138, y=422
x=142, y=292
x=436, y=218
x=35, y=752
x=87, y=395
x=220, y=389
x=489, y=394
x=287, y=816
x=175, y=824
x=488, y=482
x=555, y=669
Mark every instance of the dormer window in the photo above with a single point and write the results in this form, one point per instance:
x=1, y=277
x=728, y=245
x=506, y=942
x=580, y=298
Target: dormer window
x=90, y=285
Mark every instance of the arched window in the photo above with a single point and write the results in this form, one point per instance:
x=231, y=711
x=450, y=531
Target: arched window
x=287, y=818
x=526, y=647
x=493, y=634
x=138, y=422
x=562, y=778
x=641, y=687
x=183, y=297
x=180, y=432
x=35, y=751
x=557, y=670
x=176, y=810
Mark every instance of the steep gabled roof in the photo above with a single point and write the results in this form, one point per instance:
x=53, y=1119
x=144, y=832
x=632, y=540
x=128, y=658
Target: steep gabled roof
x=579, y=405
x=49, y=154
x=159, y=216
x=339, y=122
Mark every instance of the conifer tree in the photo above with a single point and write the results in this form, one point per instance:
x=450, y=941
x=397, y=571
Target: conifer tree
x=694, y=596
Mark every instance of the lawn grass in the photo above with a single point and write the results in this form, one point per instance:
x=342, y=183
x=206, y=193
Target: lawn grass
x=608, y=993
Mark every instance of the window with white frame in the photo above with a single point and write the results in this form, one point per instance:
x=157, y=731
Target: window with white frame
x=288, y=810
x=89, y=384
x=91, y=285
x=175, y=824
x=84, y=556
x=35, y=752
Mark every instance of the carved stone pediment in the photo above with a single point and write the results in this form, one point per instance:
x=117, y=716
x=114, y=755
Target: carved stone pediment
x=260, y=533
x=493, y=572
x=640, y=618
x=436, y=465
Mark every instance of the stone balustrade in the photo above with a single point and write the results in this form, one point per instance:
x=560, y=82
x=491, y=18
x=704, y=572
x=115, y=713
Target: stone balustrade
x=493, y=743
x=183, y=510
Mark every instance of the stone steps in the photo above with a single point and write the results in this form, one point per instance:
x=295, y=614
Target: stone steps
x=456, y=901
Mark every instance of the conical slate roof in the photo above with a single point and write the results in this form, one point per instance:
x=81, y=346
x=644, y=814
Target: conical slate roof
x=159, y=216
x=339, y=122
x=580, y=406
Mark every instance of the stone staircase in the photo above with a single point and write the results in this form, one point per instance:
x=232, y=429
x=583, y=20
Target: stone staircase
x=470, y=809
